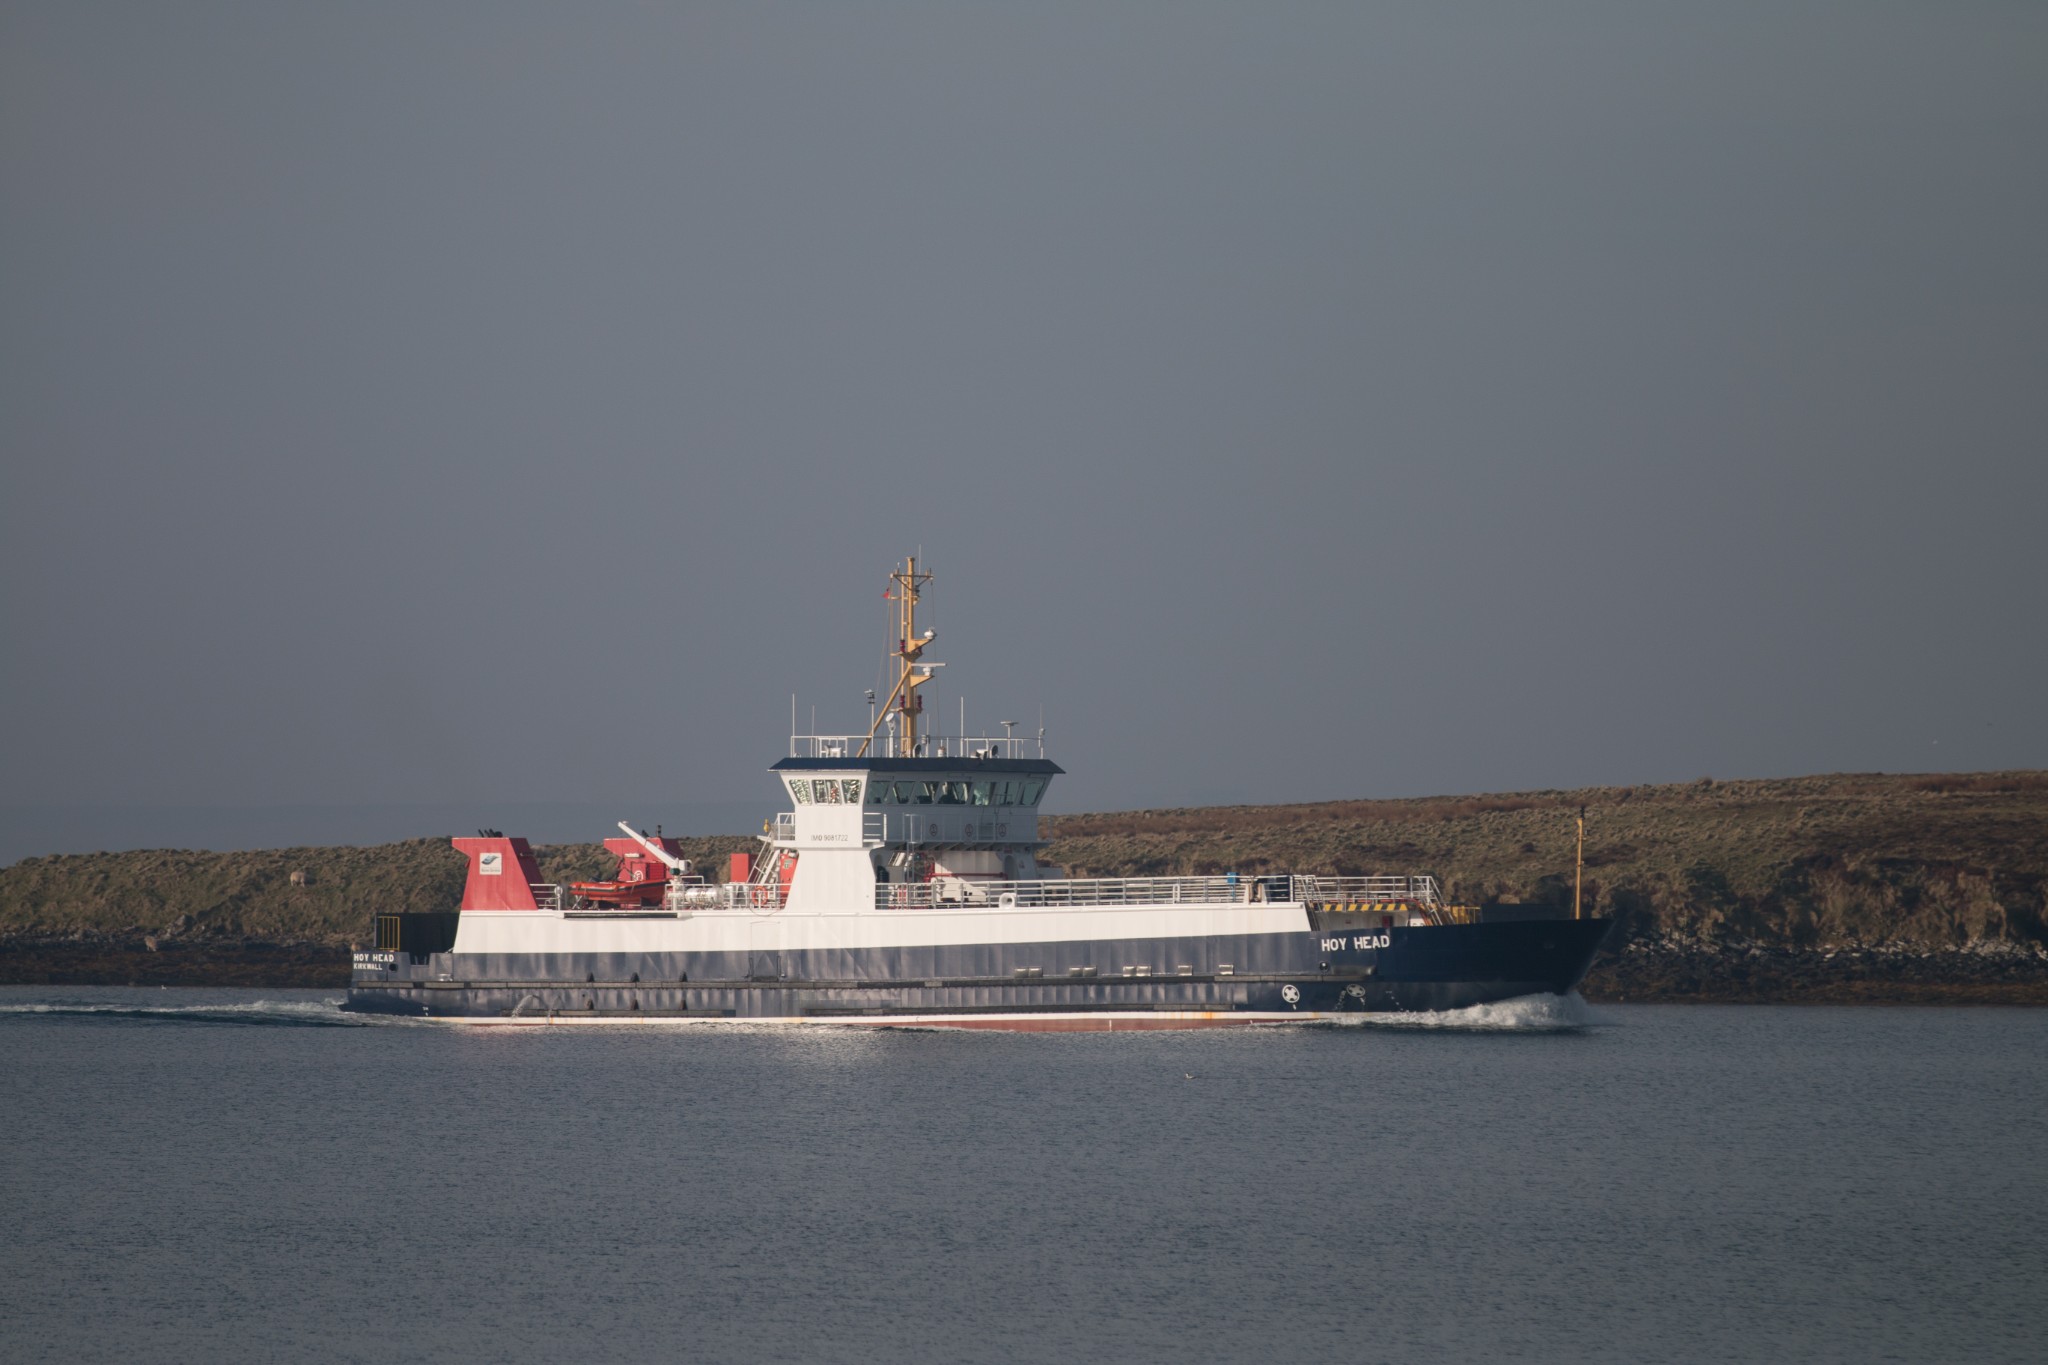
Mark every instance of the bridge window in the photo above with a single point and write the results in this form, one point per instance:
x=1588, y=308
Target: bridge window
x=913, y=794
x=878, y=793
x=824, y=790
x=851, y=786
x=981, y=793
x=1032, y=791
x=800, y=791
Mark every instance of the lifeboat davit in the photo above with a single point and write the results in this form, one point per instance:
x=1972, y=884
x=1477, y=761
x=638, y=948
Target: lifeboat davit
x=641, y=878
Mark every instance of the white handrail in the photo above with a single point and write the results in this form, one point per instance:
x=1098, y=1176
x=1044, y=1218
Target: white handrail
x=1418, y=890
x=962, y=892
x=684, y=897
x=966, y=748
x=1077, y=893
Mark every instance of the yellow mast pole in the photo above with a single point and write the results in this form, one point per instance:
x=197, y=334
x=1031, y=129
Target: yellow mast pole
x=911, y=705
x=903, y=698
x=1579, y=869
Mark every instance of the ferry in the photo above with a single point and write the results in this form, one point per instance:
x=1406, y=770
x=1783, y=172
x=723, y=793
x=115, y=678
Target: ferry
x=903, y=886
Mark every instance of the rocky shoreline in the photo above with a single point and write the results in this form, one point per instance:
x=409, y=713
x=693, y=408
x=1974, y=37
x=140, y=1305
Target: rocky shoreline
x=1643, y=971
x=108, y=960
x=1676, y=971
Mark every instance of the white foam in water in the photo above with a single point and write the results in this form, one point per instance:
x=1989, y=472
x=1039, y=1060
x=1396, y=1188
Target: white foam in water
x=223, y=1012
x=1523, y=1014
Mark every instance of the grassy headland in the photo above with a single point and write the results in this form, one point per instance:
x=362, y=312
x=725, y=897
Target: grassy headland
x=1930, y=862
x=1849, y=887
x=1862, y=886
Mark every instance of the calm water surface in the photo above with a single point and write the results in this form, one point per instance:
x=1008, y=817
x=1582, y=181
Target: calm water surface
x=229, y=1175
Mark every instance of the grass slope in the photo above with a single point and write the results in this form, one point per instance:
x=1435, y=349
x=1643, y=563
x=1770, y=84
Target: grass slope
x=1929, y=861
x=177, y=895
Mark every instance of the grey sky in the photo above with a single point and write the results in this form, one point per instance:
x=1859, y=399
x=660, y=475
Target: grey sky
x=502, y=402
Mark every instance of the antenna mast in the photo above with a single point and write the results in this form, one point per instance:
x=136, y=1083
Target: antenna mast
x=904, y=703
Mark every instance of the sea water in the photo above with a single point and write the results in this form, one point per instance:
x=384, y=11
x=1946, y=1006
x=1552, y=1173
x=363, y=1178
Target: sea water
x=235, y=1175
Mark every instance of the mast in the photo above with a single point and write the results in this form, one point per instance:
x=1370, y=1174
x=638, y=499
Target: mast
x=1579, y=867
x=904, y=702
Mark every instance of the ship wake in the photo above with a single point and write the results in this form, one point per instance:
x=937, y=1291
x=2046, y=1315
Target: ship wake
x=1523, y=1014
x=248, y=1014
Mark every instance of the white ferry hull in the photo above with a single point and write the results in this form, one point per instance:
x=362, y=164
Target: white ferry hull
x=1213, y=966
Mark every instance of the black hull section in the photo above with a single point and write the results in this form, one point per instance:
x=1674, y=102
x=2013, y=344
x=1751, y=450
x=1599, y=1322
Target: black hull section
x=1325, y=971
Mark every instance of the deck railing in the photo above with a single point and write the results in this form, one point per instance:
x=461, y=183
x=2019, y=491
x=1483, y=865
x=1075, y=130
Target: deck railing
x=963, y=747
x=953, y=893
x=683, y=897
x=1416, y=890
x=929, y=825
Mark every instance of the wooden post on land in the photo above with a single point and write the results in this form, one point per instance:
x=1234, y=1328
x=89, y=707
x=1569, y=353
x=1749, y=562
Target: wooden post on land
x=1579, y=868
